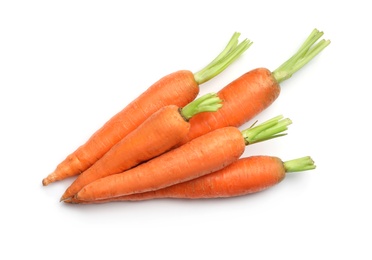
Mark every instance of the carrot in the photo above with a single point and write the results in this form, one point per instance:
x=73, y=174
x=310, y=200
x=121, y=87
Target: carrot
x=205, y=154
x=254, y=91
x=156, y=135
x=245, y=176
x=178, y=88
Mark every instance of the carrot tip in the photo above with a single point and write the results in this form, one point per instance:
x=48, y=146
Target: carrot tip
x=49, y=179
x=46, y=181
x=68, y=200
x=64, y=199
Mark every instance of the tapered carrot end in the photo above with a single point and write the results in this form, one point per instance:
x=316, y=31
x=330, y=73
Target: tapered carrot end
x=47, y=181
x=50, y=178
x=65, y=198
x=67, y=195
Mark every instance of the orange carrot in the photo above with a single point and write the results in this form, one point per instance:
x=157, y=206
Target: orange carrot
x=245, y=176
x=205, y=154
x=156, y=135
x=254, y=91
x=178, y=88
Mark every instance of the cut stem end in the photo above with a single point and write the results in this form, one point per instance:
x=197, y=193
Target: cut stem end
x=300, y=164
x=305, y=53
x=270, y=129
x=232, y=51
x=206, y=103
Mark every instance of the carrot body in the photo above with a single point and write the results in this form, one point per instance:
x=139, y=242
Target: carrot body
x=178, y=88
x=156, y=135
x=255, y=90
x=243, y=99
x=245, y=176
x=200, y=156
x=159, y=133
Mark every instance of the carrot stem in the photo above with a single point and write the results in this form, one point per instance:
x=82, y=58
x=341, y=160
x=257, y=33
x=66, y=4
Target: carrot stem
x=233, y=43
x=207, y=103
x=269, y=129
x=232, y=51
x=305, y=53
x=300, y=164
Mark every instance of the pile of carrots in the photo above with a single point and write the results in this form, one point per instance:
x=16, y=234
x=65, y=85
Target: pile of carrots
x=171, y=143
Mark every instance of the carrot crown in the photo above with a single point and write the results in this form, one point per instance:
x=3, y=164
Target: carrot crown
x=300, y=164
x=207, y=103
x=232, y=51
x=305, y=53
x=267, y=130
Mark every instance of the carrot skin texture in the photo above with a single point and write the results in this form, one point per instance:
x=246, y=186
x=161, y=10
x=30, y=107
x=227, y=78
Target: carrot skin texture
x=198, y=157
x=243, y=98
x=178, y=88
x=245, y=176
x=150, y=139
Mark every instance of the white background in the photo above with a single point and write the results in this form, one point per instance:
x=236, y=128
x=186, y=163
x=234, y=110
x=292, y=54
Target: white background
x=67, y=66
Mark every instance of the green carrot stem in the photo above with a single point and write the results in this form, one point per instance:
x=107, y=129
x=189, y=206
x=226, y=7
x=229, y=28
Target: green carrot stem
x=308, y=50
x=232, y=51
x=206, y=103
x=233, y=43
x=269, y=129
x=299, y=164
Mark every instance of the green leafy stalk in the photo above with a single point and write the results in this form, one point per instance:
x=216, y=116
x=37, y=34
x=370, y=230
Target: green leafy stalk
x=269, y=129
x=299, y=164
x=308, y=50
x=232, y=51
x=230, y=46
x=207, y=103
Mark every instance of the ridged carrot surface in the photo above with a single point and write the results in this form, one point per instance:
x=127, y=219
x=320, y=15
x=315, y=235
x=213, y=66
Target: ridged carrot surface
x=245, y=176
x=243, y=99
x=178, y=88
x=205, y=154
x=222, y=147
x=254, y=91
x=156, y=135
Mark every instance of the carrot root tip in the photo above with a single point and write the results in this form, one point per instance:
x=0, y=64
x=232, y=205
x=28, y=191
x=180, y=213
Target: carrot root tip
x=65, y=199
x=46, y=181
